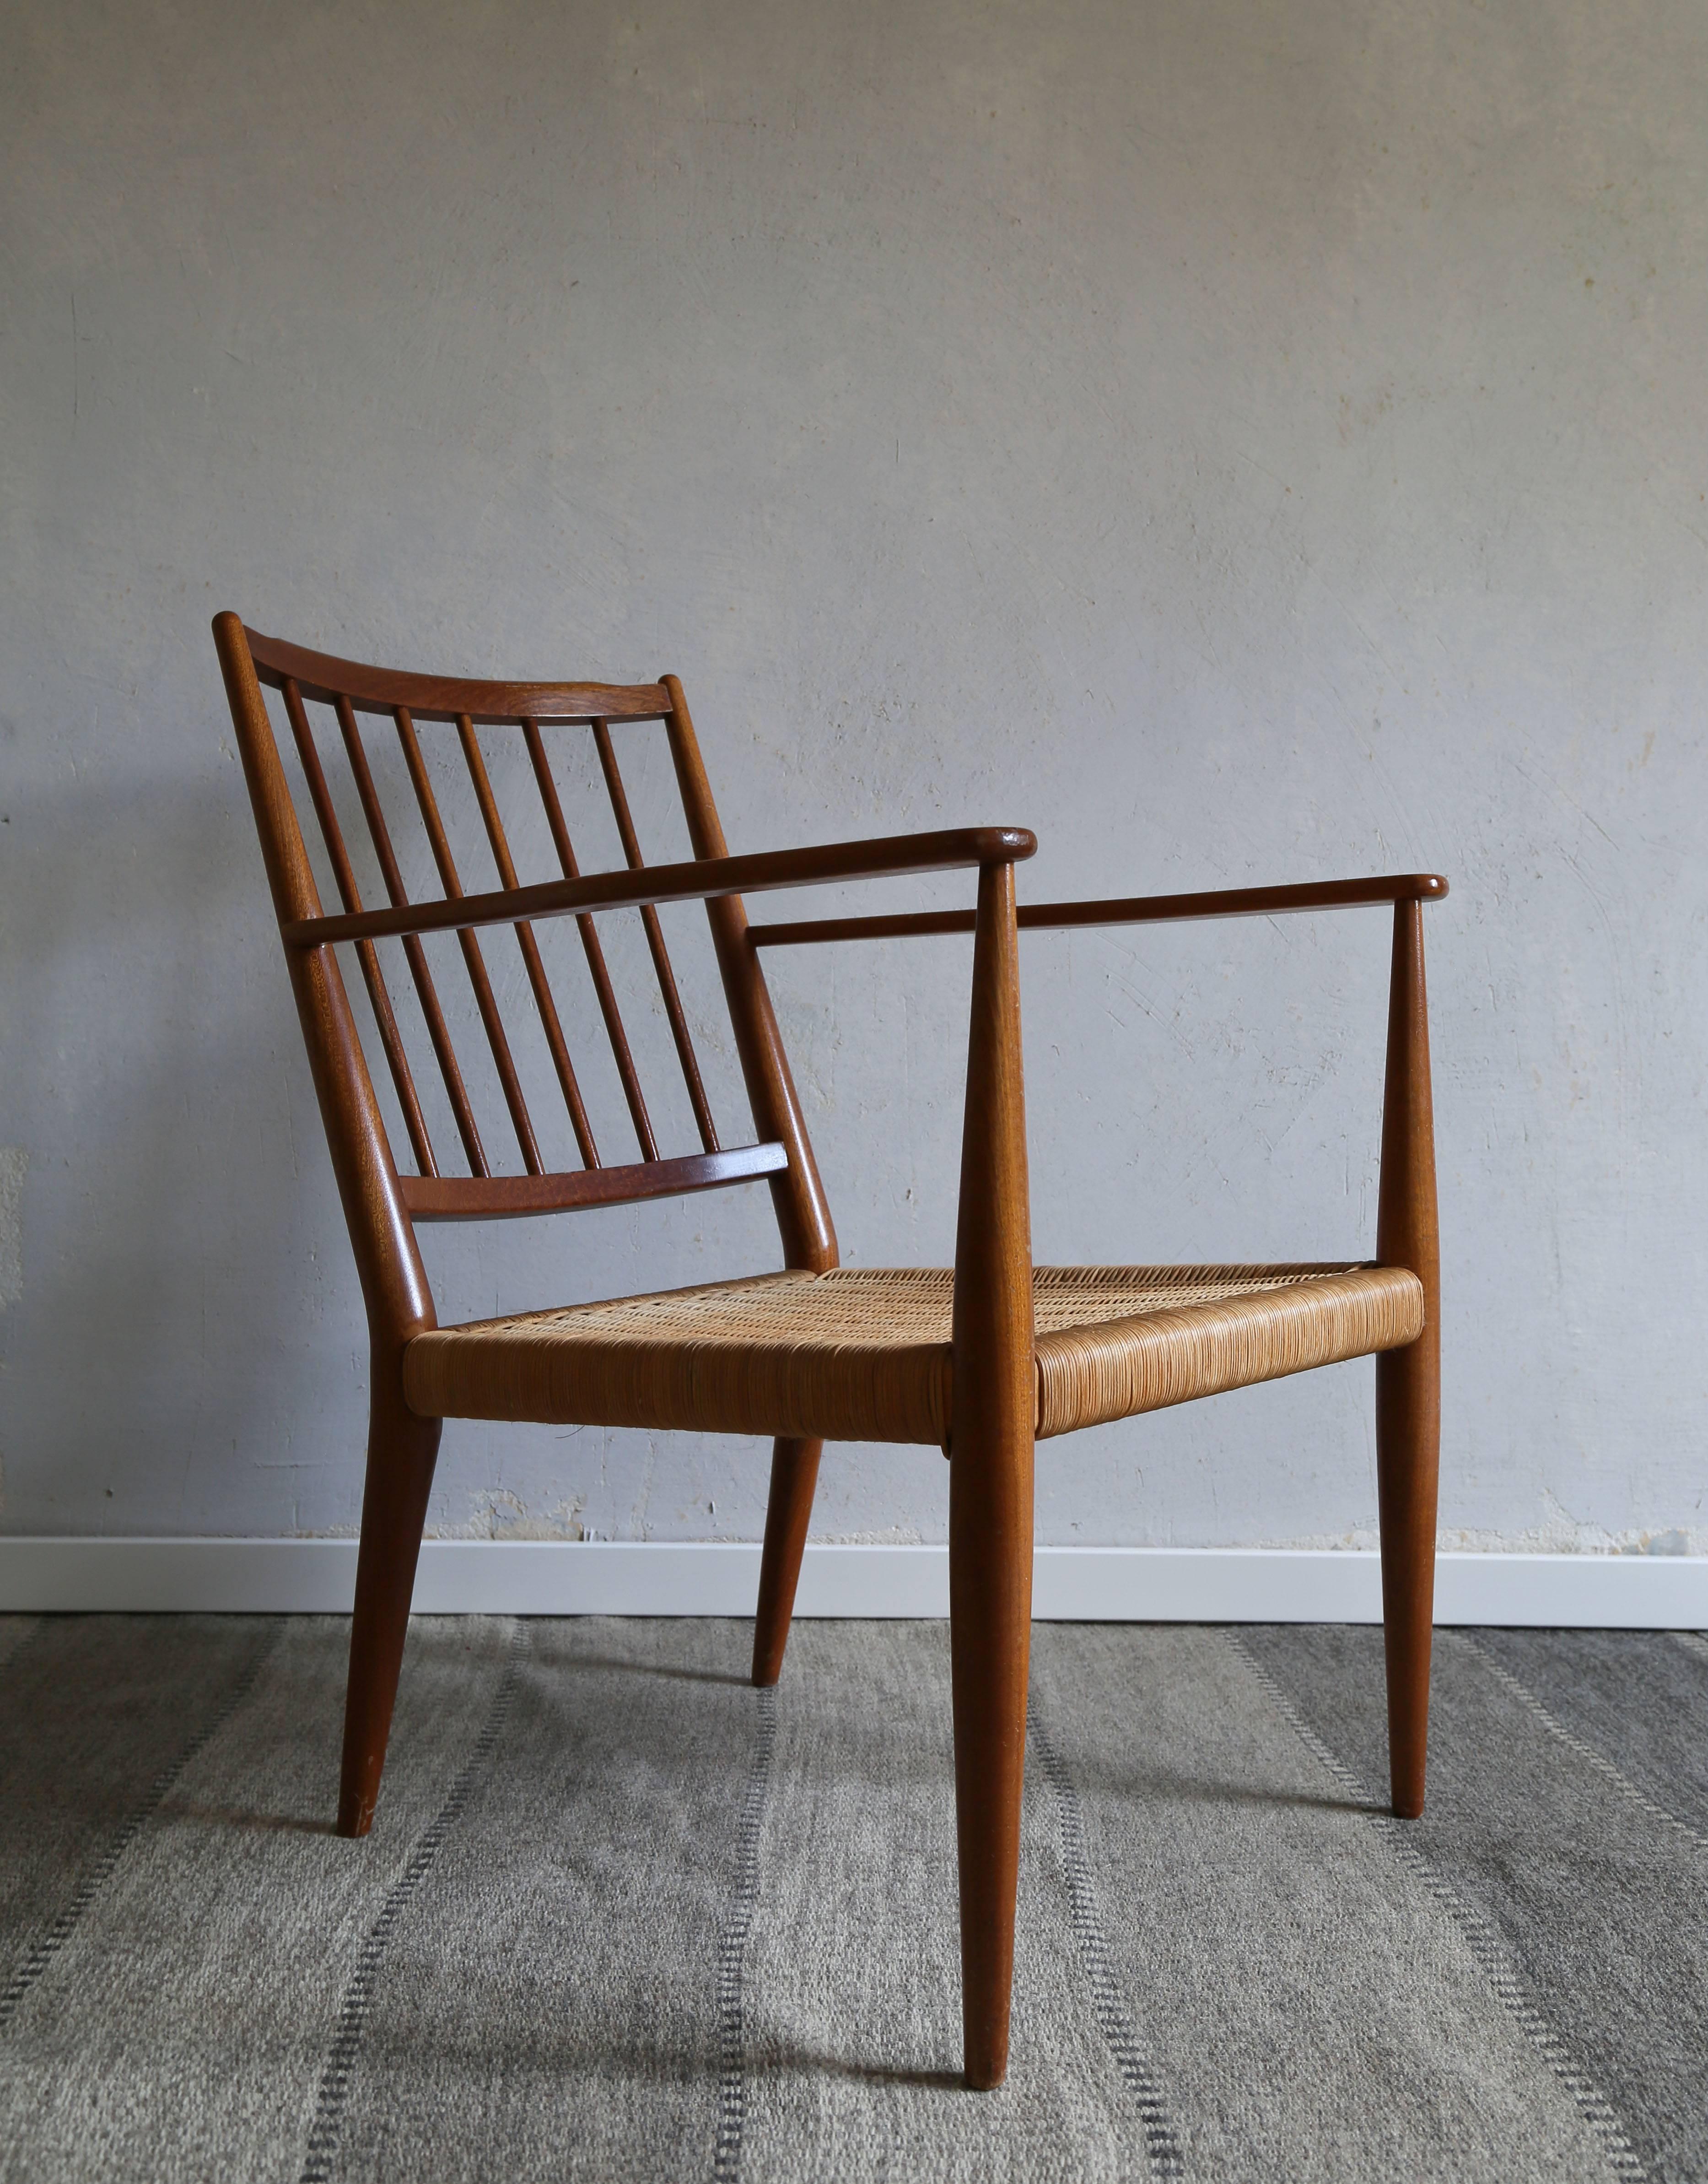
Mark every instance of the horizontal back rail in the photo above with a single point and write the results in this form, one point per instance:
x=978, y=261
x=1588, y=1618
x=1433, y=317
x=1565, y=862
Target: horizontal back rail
x=324, y=678
x=504, y=1197
x=1133, y=910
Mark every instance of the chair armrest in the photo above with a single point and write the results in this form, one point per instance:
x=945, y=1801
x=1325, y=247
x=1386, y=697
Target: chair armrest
x=1131, y=910
x=893, y=855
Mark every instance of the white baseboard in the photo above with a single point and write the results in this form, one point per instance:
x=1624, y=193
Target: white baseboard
x=1091, y=1584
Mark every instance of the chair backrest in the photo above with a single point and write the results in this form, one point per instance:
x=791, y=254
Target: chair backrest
x=456, y=1179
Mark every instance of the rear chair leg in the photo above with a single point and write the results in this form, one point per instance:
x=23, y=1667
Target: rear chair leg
x=794, y=1474
x=401, y=1452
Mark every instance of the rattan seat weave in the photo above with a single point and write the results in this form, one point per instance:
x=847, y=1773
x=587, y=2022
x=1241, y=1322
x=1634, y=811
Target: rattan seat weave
x=862, y=1353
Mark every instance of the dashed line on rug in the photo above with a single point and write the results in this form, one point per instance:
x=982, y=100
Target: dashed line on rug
x=732, y=1947
x=345, y=2051
x=48, y=1945
x=1587, y=1752
x=1161, y=2145
x=1485, y=1945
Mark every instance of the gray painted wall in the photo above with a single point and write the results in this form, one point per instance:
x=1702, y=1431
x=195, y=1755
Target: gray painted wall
x=1241, y=443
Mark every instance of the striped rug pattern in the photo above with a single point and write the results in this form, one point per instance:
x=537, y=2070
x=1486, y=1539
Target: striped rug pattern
x=622, y=1916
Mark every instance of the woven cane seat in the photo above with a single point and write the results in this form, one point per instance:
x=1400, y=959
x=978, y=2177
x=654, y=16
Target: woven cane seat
x=862, y=1353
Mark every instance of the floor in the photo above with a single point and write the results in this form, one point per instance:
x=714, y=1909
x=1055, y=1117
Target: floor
x=622, y=1916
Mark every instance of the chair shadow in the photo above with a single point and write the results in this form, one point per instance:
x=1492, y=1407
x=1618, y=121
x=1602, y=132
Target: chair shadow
x=615, y=1661
x=233, y=1816
x=237, y=1816
x=1298, y=1801
x=1185, y=1790
x=865, y=2074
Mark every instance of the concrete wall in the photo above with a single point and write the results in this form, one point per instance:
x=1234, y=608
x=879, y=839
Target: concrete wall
x=1241, y=443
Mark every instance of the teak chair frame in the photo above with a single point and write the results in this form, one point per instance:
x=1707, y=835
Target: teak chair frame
x=992, y=1416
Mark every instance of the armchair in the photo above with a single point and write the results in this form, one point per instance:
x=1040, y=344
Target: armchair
x=981, y=1360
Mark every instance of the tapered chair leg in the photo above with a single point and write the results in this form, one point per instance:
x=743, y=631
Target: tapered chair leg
x=1408, y=1382
x=993, y=1418
x=794, y=1474
x=401, y=1452
x=990, y=1638
x=1407, y=1438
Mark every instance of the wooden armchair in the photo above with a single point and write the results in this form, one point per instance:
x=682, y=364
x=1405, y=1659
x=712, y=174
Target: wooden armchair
x=980, y=1361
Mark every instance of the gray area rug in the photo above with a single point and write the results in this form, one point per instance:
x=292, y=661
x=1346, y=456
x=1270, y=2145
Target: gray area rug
x=622, y=1916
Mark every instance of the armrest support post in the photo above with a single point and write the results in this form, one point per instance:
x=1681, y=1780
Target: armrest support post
x=1408, y=1382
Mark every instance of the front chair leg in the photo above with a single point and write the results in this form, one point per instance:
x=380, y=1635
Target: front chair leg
x=993, y=1415
x=990, y=1518
x=1408, y=1382
x=1407, y=1445
x=401, y=1452
x=794, y=1474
